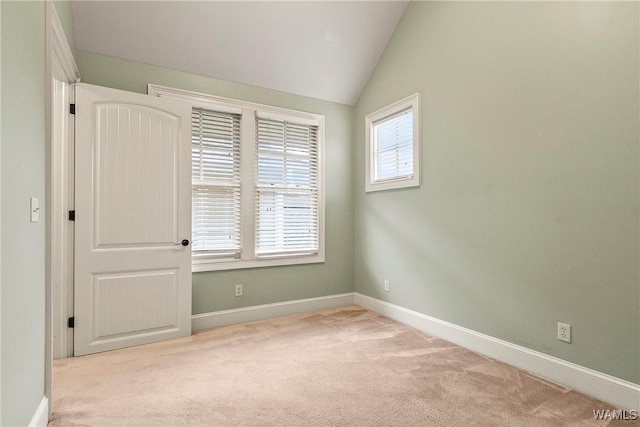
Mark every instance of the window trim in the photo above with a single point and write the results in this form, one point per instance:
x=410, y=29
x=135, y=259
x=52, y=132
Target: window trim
x=409, y=103
x=248, y=258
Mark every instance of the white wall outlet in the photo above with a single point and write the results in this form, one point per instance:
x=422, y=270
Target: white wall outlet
x=387, y=287
x=238, y=290
x=564, y=332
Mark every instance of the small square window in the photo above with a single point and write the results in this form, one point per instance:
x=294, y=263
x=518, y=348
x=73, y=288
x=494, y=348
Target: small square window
x=393, y=148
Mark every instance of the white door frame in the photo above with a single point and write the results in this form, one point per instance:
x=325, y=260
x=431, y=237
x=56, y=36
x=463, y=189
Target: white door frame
x=60, y=65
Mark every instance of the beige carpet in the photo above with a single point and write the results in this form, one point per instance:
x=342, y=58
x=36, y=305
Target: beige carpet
x=341, y=367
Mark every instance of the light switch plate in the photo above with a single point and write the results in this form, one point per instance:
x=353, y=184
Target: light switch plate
x=35, y=209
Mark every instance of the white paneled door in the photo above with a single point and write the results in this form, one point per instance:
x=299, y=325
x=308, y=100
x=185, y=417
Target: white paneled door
x=132, y=219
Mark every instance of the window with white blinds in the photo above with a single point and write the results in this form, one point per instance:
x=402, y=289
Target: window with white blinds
x=392, y=141
x=257, y=174
x=393, y=147
x=286, y=188
x=215, y=167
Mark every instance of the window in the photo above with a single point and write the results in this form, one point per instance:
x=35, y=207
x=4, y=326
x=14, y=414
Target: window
x=215, y=171
x=393, y=148
x=287, y=188
x=257, y=195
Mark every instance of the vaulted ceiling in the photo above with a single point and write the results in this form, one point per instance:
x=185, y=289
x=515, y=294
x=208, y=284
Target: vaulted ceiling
x=325, y=50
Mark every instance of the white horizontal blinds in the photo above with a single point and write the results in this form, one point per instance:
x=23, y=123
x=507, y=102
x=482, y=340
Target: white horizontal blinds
x=393, y=147
x=215, y=165
x=286, y=188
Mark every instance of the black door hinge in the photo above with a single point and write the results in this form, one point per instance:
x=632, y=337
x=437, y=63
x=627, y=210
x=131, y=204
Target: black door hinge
x=71, y=322
x=72, y=108
x=72, y=215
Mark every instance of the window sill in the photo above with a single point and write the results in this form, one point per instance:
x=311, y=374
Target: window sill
x=204, y=265
x=392, y=184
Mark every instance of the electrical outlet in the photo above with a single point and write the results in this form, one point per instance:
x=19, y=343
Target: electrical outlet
x=564, y=332
x=387, y=287
x=238, y=290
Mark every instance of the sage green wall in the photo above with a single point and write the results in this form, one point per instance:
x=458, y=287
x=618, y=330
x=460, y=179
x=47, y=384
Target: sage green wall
x=63, y=9
x=528, y=210
x=0, y=215
x=215, y=291
x=22, y=168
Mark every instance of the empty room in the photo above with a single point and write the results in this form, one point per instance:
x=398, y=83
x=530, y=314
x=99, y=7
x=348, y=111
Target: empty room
x=319, y=213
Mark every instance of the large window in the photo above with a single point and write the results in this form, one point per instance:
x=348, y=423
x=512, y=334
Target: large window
x=393, y=146
x=257, y=196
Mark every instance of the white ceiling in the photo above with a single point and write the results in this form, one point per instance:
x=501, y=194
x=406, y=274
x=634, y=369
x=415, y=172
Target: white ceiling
x=324, y=50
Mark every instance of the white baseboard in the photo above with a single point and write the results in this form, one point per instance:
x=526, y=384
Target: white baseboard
x=41, y=416
x=621, y=393
x=267, y=311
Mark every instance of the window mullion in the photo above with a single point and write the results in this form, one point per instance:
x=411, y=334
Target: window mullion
x=247, y=183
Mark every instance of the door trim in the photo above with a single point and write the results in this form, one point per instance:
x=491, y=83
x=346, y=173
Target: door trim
x=60, y=65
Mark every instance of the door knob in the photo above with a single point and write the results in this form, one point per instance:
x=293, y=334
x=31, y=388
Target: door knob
x=185, y=242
